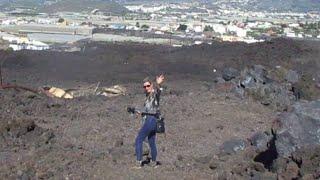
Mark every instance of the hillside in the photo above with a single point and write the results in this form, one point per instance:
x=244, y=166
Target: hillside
x=114, y=7
x=85, y=5
x=22, y=3
x=213, y=130
x=286, y=5
x=253, y=5
x=65, y=5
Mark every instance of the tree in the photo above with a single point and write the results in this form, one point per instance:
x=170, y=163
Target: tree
x=61, y=20
x=145, y=27
x=137, y=24
x=182, y=27
x=223, y=23
x=284, y=25
x=208, y=28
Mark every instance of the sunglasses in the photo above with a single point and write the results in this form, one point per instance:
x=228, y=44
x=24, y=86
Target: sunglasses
x=146, y=86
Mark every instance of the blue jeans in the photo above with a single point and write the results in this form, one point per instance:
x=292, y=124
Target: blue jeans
x=147, y=130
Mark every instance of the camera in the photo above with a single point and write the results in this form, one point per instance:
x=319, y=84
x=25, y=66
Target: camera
x=131, y=110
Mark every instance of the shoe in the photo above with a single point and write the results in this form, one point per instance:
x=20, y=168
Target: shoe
x=138, y=165
x=153, y=164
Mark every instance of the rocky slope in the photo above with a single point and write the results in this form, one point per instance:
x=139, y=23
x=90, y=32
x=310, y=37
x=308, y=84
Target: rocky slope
x=219, y=123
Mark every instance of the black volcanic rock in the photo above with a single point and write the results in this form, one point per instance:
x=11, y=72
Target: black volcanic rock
x=260, y=141
x=257, y=83
x=309, y=161
x=292, y=76
x=230, y=73
x=299, y=128
x=232, y=146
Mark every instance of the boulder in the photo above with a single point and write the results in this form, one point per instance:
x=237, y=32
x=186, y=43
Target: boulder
x=256, y=83
x=279, y=165
x=253, y=75
x=264, y=176
x=219, y=80
x=308, y=160
x=292, y=76
x=274, y=95
x=238, y=92
x=229, y=73
x=291, y=171
x=308, y=110
x=259, y=72
x=247, y=82
x=260, y=141
x=298, y=128
x=232, y=146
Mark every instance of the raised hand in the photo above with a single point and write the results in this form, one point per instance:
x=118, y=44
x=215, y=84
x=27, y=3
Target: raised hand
x=160, y=79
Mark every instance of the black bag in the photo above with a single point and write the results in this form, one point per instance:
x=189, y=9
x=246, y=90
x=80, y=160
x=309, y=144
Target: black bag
x=160, y=126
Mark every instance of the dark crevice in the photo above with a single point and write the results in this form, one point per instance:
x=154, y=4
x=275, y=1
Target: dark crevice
x=298, y=161
x=31, y=127
x=267, y=157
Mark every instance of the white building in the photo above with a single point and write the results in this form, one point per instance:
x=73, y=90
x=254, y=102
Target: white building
x=252, y=24
x=130, y=27
x=197, y=28
x=165, y=28
x=264, y=25
x=296, y=25
x=46, y=21
x=219, y=28
x=239, y=31
x=9, y=22
x=134, y=7
x=159, y=32
x=31, y=46
x=198, y=42
x=9, y=37
x=146, y=9
x=19, y=43
x=291, y=34
x=287, y=30
x=252, y=40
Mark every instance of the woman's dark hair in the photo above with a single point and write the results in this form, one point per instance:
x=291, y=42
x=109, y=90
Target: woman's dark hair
x=147, y=79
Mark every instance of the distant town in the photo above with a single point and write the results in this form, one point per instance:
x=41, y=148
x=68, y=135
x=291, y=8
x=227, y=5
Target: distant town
x=174, y=24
